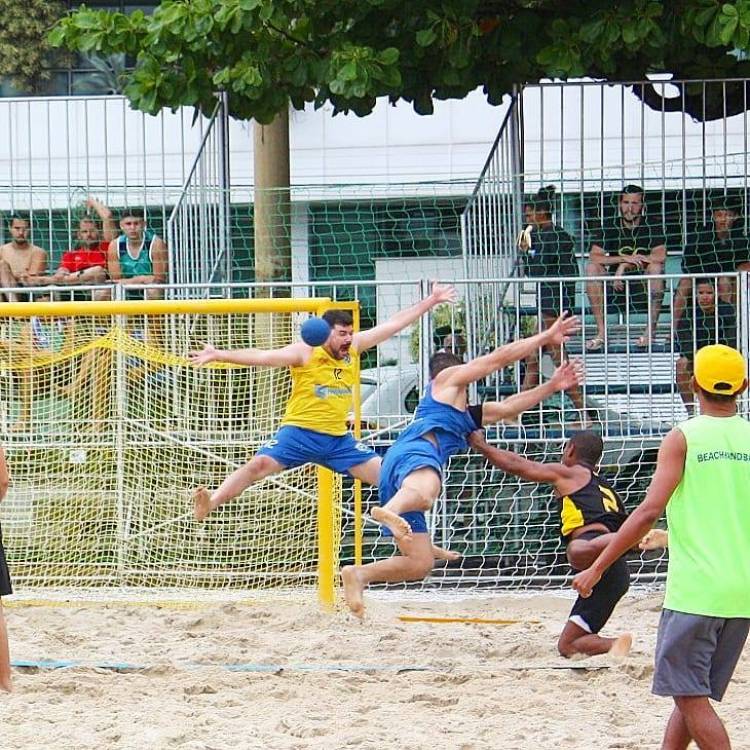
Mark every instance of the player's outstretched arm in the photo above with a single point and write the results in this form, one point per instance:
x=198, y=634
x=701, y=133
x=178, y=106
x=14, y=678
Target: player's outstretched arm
x=670, y=465
x=556, y=335
x=514, y=464
x=288, y=356
x=367, y=339
x=568, y=375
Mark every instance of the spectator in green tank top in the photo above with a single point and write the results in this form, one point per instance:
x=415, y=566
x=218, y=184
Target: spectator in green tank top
x=137, y=256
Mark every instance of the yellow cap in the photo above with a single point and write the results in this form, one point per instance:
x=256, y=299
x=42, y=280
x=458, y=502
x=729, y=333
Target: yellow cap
x=719, y=369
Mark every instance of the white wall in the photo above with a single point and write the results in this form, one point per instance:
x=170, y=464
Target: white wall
x=398, y=288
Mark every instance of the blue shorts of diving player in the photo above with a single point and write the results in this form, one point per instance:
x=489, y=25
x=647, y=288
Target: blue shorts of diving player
x=295, y=446
x=401, y=459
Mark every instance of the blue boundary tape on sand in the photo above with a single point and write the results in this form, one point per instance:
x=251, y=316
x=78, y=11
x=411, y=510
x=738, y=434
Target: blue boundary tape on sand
x=50, y=664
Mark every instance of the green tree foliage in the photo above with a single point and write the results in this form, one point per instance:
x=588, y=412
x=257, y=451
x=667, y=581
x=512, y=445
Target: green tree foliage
x=24, y=49
x=267, y=53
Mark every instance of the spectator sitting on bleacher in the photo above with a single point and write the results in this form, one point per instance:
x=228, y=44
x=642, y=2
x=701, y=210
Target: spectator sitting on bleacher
x=87, y=262
x=715, y=323
x=715, y=248
x=21, y=262
x=633, y=246
x=138, y=256
x=549, y=251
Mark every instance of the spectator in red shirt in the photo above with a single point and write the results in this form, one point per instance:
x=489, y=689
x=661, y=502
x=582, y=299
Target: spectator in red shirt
x=87, y=263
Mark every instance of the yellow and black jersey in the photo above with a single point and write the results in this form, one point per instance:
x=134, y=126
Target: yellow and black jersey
x=596, y=502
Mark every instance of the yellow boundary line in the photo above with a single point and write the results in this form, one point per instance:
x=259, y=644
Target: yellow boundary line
x=171, y=307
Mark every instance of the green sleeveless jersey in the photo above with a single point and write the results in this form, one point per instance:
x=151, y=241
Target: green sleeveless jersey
x=709, y=521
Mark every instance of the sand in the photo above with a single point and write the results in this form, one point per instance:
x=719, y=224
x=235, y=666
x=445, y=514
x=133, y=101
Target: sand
x=415, y=685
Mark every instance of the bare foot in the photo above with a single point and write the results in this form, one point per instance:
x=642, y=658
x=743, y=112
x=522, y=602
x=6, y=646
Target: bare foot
x=621, y=646
x=398, y=526
x=353, y=588
x=439, y=553
x=202, y=500
x=6, y=685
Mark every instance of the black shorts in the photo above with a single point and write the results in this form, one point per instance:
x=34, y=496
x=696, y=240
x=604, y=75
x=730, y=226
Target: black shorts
x=592, y=613
x=5, y=588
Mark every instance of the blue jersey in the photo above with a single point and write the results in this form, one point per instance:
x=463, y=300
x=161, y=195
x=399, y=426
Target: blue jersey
x=449, y=425
x=412, y=451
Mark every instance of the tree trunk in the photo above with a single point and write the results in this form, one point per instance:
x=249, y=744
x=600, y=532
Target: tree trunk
x=273, y=256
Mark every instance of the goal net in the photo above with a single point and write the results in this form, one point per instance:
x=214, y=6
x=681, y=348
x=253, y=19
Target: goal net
x=109, y=427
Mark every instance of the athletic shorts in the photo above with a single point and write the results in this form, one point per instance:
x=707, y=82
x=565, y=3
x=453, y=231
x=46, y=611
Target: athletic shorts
x=592, y=613
x=401, y=459
x=696, y=655
x=296, y=446
x=5, y=588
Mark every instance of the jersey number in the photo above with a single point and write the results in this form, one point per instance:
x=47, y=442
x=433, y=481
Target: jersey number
x=609, y=501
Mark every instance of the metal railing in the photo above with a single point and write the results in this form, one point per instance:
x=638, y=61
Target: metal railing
x=198, y=230
x=56, y=151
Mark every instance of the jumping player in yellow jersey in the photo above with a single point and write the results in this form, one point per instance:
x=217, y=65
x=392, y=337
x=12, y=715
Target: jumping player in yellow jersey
x=314, y=428
x=590, y=511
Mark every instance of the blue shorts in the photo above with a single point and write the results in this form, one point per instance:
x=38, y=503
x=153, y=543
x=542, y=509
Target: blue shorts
x=402, y=459
x=295, y=446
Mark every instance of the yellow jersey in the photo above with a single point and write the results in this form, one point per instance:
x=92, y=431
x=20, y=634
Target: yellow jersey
x=321, y=393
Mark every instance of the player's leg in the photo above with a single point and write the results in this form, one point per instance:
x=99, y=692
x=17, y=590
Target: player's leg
x=413, y=564
x=5, y=679
x=702, y=724
x=367, y=472
x=290, y=447
x=417, y=492
x=676, y=735
x=257, y=468
x=588, y=616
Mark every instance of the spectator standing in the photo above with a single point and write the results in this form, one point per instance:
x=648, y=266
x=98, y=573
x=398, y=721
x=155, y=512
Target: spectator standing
x=549, y=252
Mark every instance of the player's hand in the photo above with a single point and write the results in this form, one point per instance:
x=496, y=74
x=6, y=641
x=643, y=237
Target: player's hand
x=477, y=440
x=568, y=375
x=655, y=539
x=443, y=293
x=562, y=329
x=585, y=581
x=208, y=354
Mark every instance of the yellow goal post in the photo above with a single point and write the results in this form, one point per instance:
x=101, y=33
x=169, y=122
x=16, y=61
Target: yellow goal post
x=107, y=427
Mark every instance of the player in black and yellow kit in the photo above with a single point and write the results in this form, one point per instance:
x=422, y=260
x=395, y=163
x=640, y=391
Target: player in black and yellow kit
x=314, y=428
x=590, y=512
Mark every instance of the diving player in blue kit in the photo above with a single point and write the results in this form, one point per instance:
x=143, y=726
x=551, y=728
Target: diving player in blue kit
x=412, y=472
